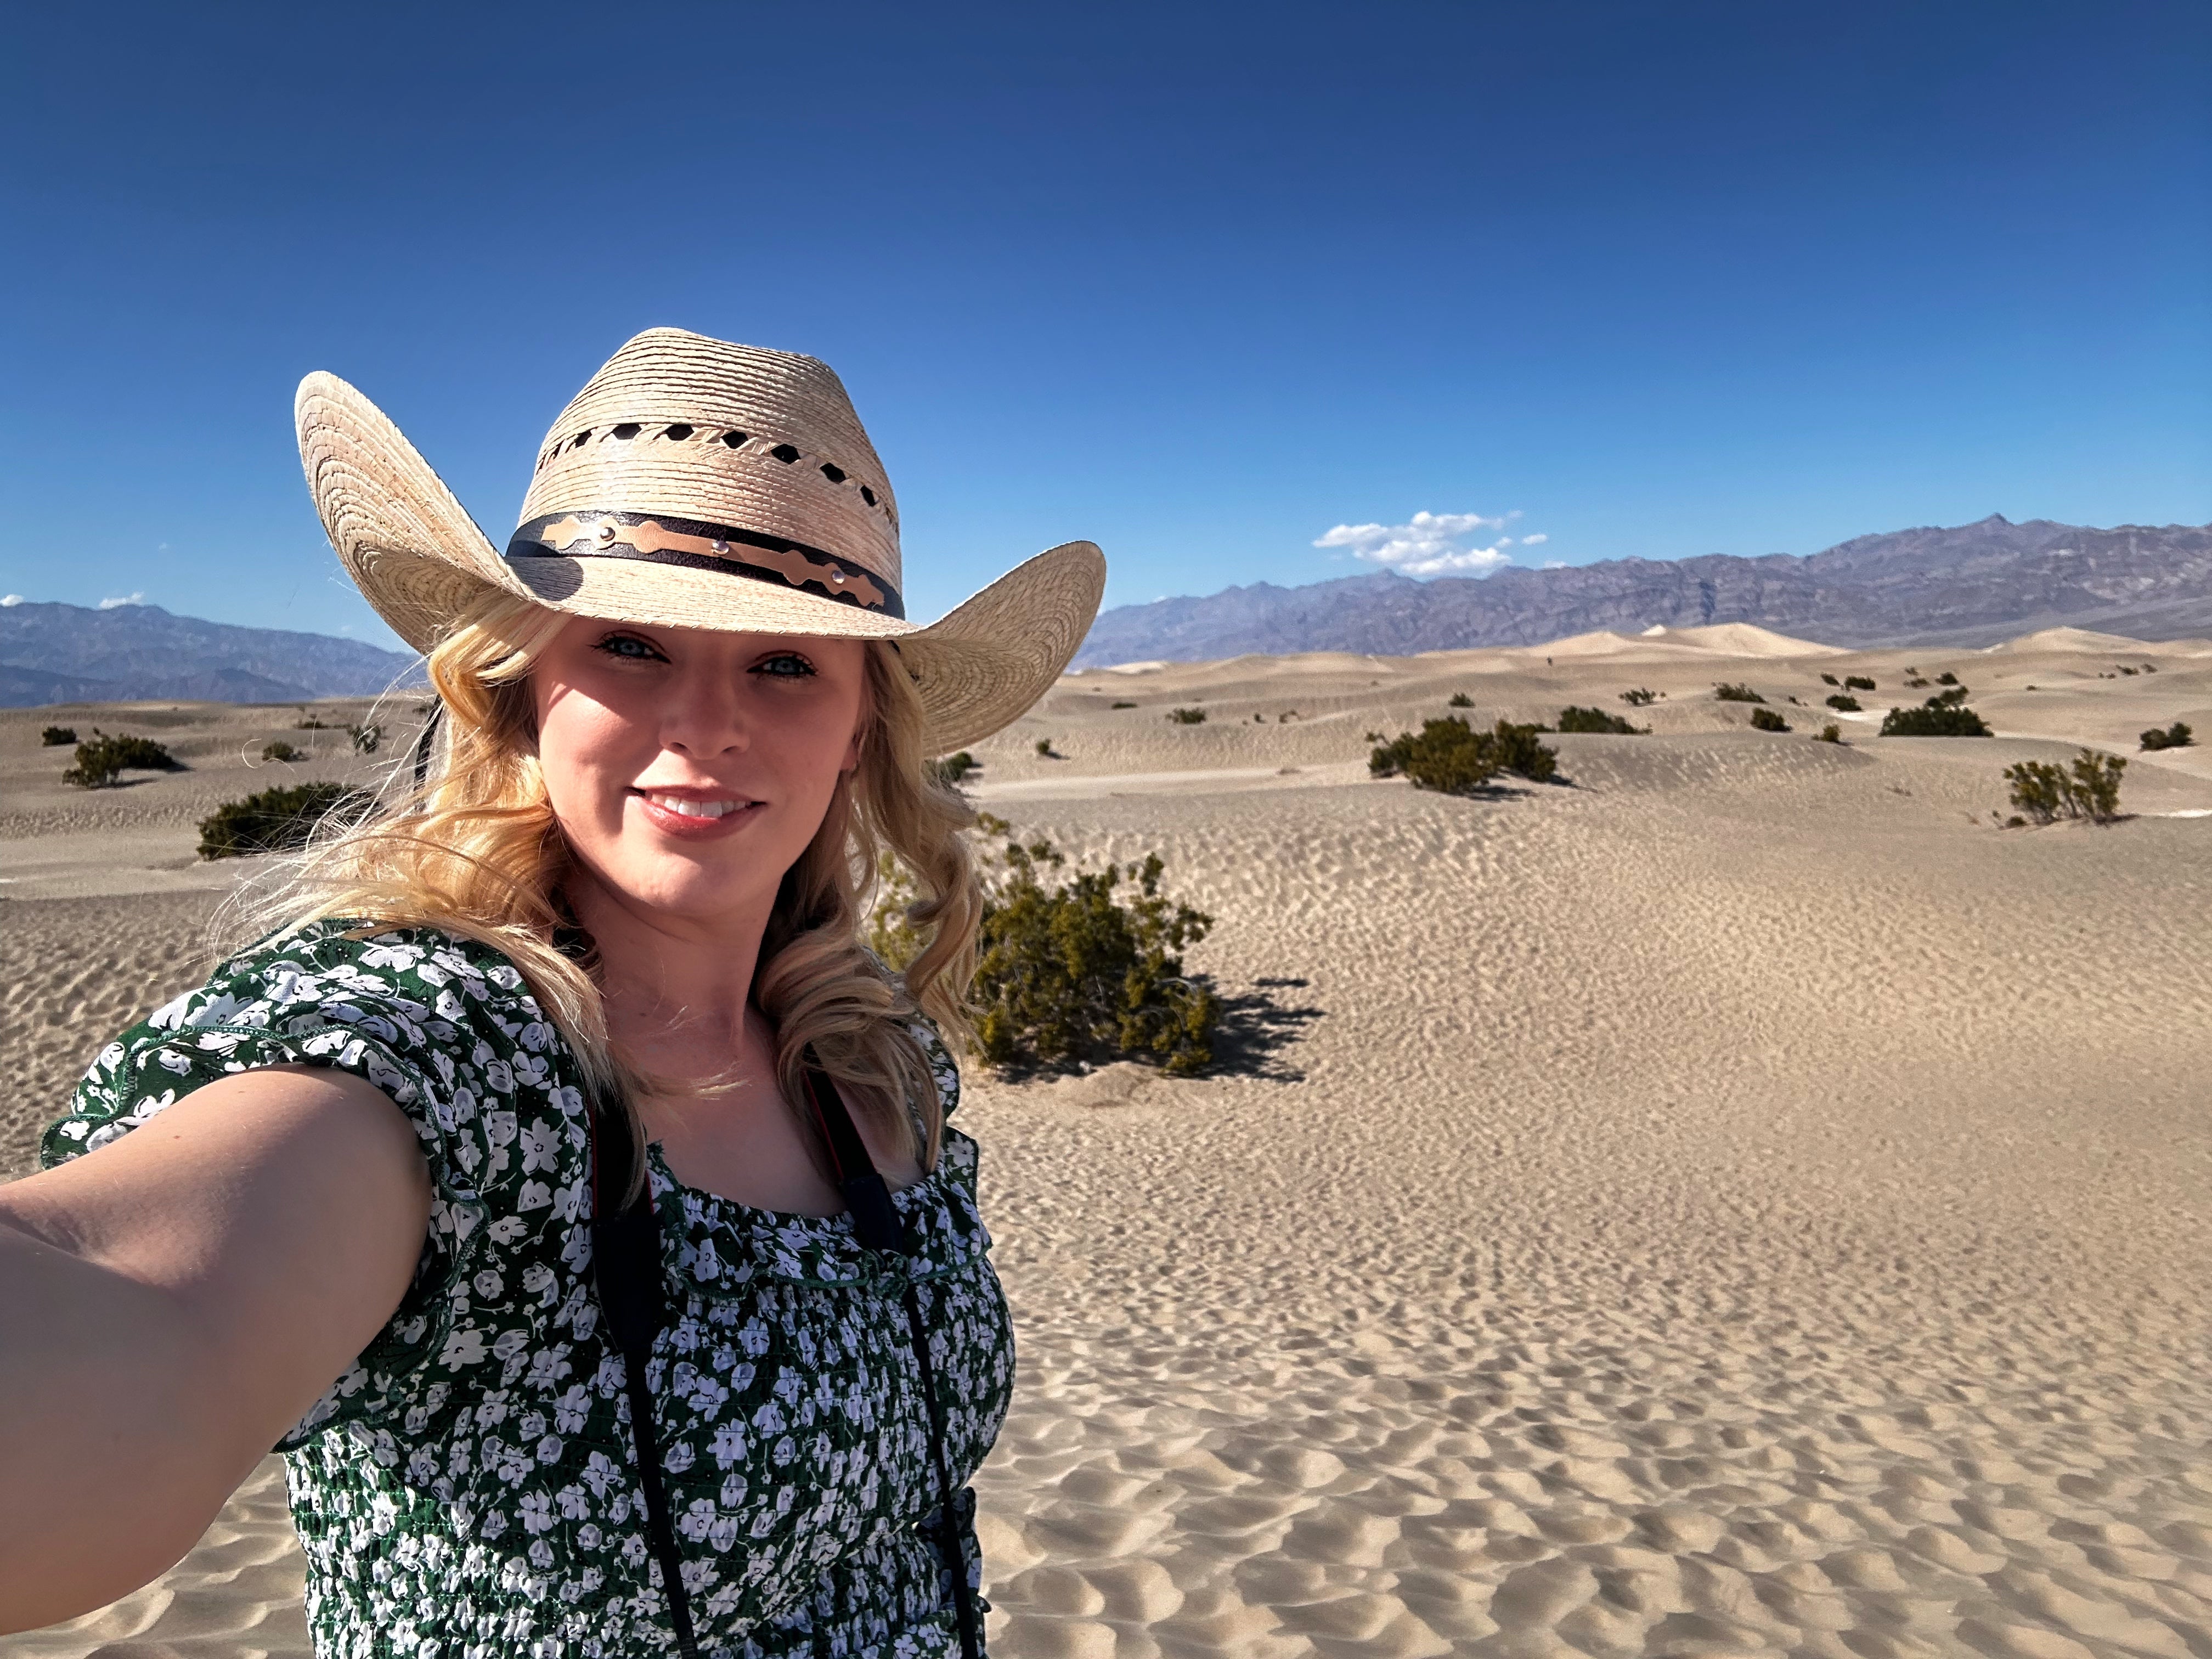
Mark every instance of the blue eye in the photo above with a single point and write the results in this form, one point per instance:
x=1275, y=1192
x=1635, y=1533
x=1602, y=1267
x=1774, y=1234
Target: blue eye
x=785, y=664
x=627, y=648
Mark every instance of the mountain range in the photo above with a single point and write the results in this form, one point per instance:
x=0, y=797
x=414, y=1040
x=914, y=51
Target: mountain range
x=1972, y=585
x=1969, y=585
x=129, y=653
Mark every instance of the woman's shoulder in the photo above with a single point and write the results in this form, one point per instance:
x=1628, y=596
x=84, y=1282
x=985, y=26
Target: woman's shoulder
x=408, y=1008
x=936, y=1054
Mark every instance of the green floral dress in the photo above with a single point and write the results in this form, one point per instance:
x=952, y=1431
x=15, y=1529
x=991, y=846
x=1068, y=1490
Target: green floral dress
x=468, y=1488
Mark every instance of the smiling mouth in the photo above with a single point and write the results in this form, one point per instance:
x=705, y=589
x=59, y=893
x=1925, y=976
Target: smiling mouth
x=692, y=807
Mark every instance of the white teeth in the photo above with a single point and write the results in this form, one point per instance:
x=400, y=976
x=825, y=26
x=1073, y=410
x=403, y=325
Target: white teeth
x=694, y=809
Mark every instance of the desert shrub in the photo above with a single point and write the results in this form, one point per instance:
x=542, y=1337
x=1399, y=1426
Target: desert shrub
x=2150, y=668
x=1637, y=698
x=311, y=724
x=950, y=769
x=1070, y=971
x=55, y=736
x=1044, y=748
x=100, y=762
x=2176, y=736
x=1914, y=680
x=1574, y=718
x=1947, y=677
x=1766, y=720
x=365, y=737
x=2088, y=788
x=1857, y=683
x=1729, y=693
x=280, y=751
x=1827, y=679
x=1459, y=700
x=1452, y=758
x=1372, y=736
x=1849, y=704
x=277, y=820
x=2125, y=669
x=1943, y=715
x=1187, y=716
x=1831, y=733
x=1121, y=705
x=2096, y=779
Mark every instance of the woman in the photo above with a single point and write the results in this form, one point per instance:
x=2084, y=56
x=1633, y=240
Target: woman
x=552, y=1060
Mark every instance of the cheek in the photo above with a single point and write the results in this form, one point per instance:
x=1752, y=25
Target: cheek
x=583, y=750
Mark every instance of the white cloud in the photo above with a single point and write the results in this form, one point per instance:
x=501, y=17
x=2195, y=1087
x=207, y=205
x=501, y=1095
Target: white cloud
x=128, y=599
x=1427, y=545
x=12, y=598
x=1536, y=540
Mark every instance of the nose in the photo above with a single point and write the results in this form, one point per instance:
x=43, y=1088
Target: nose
x=704, y=714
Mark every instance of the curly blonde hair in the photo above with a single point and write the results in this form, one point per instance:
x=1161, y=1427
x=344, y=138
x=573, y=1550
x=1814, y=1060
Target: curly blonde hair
x=474, y=848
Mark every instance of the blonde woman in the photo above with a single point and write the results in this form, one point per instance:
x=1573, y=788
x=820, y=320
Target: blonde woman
x=559, y=1184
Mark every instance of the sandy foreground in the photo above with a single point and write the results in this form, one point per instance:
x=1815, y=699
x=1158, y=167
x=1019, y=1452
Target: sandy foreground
x=1741, y=1201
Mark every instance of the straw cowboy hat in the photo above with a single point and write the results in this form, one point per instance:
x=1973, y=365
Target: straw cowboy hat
x=695, y=483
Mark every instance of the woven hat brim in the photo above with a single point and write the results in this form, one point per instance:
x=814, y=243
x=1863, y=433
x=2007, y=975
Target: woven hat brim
x=420, y=561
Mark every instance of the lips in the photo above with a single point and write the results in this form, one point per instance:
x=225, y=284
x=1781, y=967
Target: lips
x=694, y=814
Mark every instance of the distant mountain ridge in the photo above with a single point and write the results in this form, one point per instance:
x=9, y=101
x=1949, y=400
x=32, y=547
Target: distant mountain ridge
x=1972, y=585
x=52, y=653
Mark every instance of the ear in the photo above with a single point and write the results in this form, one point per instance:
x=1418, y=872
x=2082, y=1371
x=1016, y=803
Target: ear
x=852, y=762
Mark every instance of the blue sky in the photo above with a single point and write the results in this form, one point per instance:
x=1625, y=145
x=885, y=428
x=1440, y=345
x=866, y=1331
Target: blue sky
x=1201, y=284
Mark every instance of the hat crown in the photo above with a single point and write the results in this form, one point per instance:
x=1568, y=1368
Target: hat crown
x=735, y=435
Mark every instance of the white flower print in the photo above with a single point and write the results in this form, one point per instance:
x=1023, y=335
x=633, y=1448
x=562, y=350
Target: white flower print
x=467, y=1485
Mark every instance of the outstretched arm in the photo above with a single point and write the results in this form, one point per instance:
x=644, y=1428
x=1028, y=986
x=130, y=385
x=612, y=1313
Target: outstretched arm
x=172, y=1303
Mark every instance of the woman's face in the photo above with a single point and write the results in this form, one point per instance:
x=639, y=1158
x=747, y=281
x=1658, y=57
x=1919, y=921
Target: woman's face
x=689, y=769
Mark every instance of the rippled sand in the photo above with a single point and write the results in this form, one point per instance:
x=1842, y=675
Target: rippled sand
x=1741, y=1202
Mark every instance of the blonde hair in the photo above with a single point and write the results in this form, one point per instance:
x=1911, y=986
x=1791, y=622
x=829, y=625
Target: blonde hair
x=474, y=849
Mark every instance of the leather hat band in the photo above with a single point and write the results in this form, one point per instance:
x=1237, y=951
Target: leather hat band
x=659, y=538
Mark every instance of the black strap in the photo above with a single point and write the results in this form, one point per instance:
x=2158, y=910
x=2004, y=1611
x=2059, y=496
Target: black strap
x=626, y=1270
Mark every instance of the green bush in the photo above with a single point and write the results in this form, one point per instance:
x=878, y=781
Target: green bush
x=1849, y=704
x=1069, y=970
x=1766, y=720
x=1452, y=758
x=1187, y=716
x=1827, y=679
x=1044, y=748
x=280, y=751
x=1123, y=705
x=1939, y=717
x=279, y=820
x=2088, y=788
x=365, y=738
x=1728, y=693
x=104, y=759
x=1947, y=677
x=953, y=768
x=1831, y=733
x=1857, y=683
x=1459, y=700
x=55, y=736
x=1575, y=719
x=1638, y=698
x=2176, y=736
x=311, y=724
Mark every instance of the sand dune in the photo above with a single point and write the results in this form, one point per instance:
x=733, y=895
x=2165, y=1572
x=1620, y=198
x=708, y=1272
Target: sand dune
x=1738, y=1201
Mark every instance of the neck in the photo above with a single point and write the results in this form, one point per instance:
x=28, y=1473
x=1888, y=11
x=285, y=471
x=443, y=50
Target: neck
x=677, y=990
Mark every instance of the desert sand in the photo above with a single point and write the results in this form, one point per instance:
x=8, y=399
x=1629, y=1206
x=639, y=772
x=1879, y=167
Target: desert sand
x=1739, y=1200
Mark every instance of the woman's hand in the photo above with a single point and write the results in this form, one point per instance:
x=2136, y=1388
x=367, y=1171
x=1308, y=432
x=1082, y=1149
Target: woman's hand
x=174, y=1302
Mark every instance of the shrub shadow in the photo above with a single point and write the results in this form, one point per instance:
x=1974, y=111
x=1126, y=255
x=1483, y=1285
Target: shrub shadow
x=1256, y=1027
